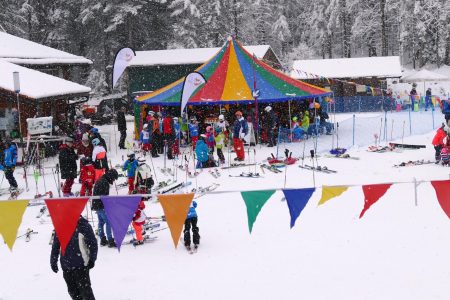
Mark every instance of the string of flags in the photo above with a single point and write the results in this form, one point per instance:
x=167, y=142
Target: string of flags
x=65, y=212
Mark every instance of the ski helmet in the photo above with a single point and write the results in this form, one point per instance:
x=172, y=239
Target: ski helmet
x=238, y=113
x=86, y=161
x=131, y=156
x=268, y=108
x=221, y=118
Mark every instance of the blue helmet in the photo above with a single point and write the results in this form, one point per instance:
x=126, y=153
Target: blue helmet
x=94, y=130
x=96, y=142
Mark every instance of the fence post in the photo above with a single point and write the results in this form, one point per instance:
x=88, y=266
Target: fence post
x=359, y=104
x=385, y=126
x=354, y=118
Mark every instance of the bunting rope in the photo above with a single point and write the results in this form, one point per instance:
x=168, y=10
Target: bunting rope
x=256, y=190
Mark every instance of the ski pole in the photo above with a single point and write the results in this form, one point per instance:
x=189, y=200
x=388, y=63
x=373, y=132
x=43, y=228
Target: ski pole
x=154, y=171
x=313, y=167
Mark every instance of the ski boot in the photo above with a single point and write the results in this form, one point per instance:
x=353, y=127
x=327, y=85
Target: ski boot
x=103, y=241
x=138, y=243
x=112, y=244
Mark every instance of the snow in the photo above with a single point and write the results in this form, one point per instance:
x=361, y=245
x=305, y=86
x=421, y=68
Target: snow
x=35, y=84
x=396, y=251
x=21, y=51
x=186, y=56
x=387, y=66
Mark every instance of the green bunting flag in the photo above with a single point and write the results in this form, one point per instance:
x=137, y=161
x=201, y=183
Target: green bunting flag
x=254, y=202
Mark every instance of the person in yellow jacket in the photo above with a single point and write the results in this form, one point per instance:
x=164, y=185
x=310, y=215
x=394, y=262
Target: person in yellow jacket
x=220, y=142
x=305, y=121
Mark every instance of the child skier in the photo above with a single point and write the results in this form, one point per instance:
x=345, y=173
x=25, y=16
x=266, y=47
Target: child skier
x=220, y=142
x=209, y=139
x=193, y=131
x=191, y=221
x=87, y=176
x=99, y=158
x=9, y=165
x=130, y=166
x=145, y=139
x=201, y=150
x=438, y=142
x=144, y=180
x=138, y=221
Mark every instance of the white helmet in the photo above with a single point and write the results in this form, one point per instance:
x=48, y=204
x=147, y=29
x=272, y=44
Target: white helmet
x=221, y=117
x=268, y=108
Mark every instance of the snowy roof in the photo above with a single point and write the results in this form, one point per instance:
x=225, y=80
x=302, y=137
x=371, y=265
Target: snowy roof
x=21, y=51
x=385, y=66
x=37, y=85
x=423, y=76
x=186, y=56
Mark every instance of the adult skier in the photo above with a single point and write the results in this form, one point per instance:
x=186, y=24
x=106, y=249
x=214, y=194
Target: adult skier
x=271, y=125
x=122, y=126
x=68, y=165
x=101, y=188
x=78, y=259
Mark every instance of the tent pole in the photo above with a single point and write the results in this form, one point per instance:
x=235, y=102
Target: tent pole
x=290, y=120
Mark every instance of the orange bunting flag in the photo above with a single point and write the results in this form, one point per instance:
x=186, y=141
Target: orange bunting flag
x=442, y=188
x=176, y=208
x=65, y=213
x=11, y=213
x=372, y=193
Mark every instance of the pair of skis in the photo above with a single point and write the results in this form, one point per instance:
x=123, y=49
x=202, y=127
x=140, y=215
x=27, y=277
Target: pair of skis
x=247, y=175
x=318, y=169
x=414, y=163
x=28, y=234
x=272, y=169
x=203, y=191
x=214, y=173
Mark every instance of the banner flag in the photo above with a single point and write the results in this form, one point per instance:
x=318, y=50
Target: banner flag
x=254, y=202
x=330, y=192
x=176, y=208
x=296, y=201
x=191, y=83
x=372, y=193
x=121, y=62
x=442, y=188
x=11, y=213
x=119, y=211
x=65, y=213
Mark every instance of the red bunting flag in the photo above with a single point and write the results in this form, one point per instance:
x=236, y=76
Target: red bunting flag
x=372, y=193
x=442, y=188
x=65, y=213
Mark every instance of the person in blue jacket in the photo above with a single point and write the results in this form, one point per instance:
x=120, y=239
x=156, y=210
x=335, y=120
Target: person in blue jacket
x=193, y=131
x=202, y=152
x=9, y=164
x=79, y=257
x=131, y=165
x=191, y=221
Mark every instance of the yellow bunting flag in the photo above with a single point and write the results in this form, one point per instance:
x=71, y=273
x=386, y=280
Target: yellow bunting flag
x=11, y=213
x=176, y=208
x=330, y=192
x=373, y=91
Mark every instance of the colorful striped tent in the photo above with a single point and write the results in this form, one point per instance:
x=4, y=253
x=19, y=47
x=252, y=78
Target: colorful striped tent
x=233, y=75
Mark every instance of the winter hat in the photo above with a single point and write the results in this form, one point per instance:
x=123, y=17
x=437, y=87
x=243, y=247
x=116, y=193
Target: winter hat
x=268, y=108
x=221, y=118
x=316, y=105
x=96, y=142
x=131, y=155
x=238, y=113
x=94, y=130
x=294, y=119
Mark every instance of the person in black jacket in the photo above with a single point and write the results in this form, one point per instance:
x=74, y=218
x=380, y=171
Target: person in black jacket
x=78, y=259
x=101, y=188
x=271, y=126
x=68, y=165
x=122, y=126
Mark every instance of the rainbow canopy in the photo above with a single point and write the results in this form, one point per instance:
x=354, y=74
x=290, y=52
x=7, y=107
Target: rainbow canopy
x=232, y=76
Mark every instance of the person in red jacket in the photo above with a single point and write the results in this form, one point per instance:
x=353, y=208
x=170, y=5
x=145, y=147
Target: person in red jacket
x=87, y=176
x=438, y=142
x=138, y=222
x=169, y=134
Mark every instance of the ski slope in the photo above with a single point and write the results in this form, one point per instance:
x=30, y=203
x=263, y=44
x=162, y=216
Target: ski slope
x=396, y=251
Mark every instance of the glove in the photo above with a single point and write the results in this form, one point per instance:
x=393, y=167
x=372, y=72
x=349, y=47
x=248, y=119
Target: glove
x=54, y=268
x=91, y=264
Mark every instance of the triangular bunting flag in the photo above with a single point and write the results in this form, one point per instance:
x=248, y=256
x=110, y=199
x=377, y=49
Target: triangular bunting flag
x=65, y=214
x=119, y=211
x=11, y=213
x=442, y=188
x=296, y=201
x=372, y=193
x=330, y=192
x=176, y=208
x=254, y=202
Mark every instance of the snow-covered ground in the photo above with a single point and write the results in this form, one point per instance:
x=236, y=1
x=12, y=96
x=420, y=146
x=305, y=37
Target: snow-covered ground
x=396, y=251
